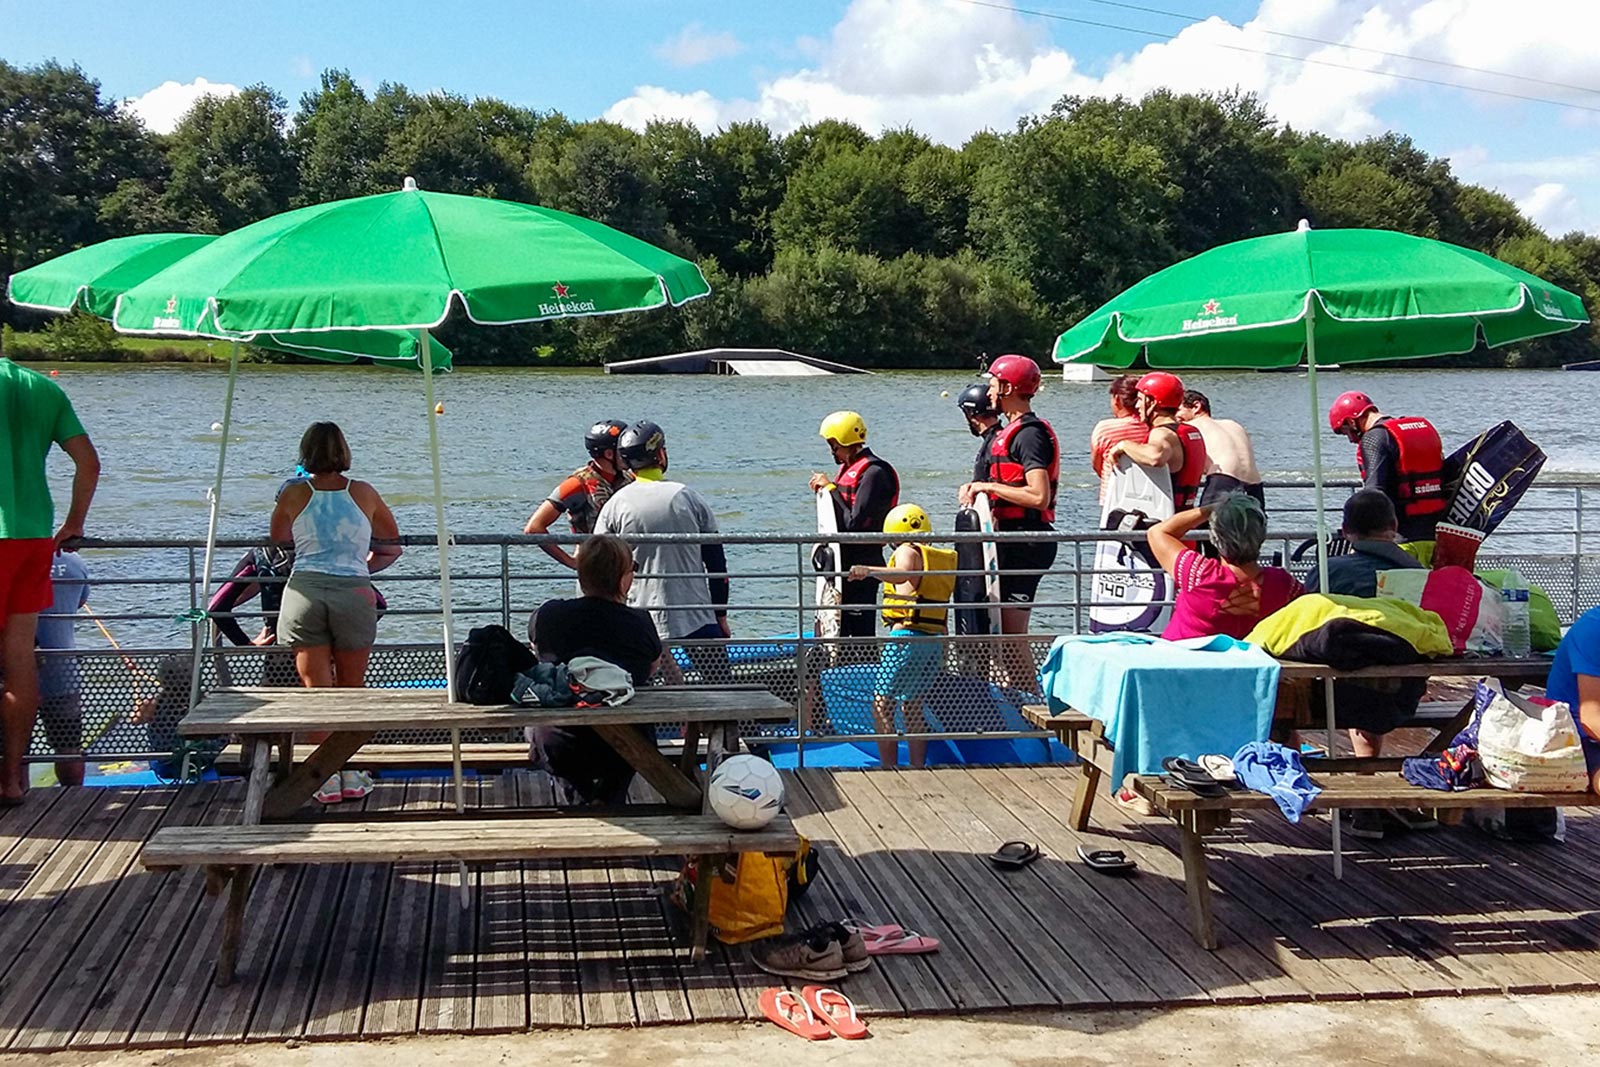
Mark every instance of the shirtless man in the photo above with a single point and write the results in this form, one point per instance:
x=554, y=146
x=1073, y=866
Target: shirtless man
x=1230, y=457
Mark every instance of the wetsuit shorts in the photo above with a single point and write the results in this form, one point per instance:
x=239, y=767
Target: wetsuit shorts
x=1220, y=485
x=1016, y=556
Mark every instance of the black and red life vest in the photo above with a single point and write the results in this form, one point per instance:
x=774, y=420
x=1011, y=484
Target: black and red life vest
x=848, y=484
x=1007, y=470
x=1420, y=468
x=1186, y=482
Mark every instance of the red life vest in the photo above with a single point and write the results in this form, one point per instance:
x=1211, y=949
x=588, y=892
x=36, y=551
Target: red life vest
x=1186, y=482
x=1420, y=469
x=1007, y=470
x=849, y=483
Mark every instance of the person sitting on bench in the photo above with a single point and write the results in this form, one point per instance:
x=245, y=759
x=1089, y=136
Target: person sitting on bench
x=1575, y=679
x=1373, y=530
x=1220, y=596
x=599, y=623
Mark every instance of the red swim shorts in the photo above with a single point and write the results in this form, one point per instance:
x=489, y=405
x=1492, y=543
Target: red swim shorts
x=25, y=575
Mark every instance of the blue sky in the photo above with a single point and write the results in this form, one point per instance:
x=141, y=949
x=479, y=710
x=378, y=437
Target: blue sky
x=946, y=67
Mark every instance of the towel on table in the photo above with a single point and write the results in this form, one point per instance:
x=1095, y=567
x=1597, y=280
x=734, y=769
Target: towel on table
x=1270, y=768
x=1162, y=698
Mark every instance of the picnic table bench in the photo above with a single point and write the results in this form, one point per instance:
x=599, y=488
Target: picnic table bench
x=1197, y=816
x=1085, y=735
x=265, y=719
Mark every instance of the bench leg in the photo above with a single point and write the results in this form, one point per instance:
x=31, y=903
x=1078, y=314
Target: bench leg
x=233, y=925
x=1083, y=799
x=689, y=762
x=1197, y=882
x=673, y=785
x=700, y=918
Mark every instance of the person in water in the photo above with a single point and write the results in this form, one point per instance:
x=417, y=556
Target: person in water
x=983, y=422
x=863, y=491
x=1123, y=425
x=582, y=494
x=1220, y=596
x=1402, y=458
x=1024, y=473
x=918, y=585
x=342, y=533
x=684, y=586
x=1230, y=454
x=1172, y=446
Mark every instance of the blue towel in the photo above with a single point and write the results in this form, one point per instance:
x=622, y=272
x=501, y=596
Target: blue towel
x=1163, y=698
x=1268, y=767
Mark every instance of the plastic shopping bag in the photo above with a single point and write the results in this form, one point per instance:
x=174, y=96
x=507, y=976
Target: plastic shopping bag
x=1530, y=748
x=1472, y=610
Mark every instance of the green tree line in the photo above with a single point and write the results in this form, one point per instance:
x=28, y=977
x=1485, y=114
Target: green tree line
x=877, y=251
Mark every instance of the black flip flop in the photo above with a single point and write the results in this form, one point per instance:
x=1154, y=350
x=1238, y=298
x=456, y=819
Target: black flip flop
x=1015, y=855
x=1191, y=776
x=1106, y=860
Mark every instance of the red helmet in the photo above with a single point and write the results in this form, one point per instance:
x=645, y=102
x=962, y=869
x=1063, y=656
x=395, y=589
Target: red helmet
x=1165, y=389
x=1021, y=372
x=1349, y=406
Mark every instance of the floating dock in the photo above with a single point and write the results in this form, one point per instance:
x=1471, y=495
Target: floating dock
x=748, y=362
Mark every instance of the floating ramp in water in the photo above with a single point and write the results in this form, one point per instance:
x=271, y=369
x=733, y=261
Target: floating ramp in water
x=759, y=362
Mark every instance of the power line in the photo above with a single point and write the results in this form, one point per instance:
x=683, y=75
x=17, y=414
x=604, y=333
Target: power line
x=1191, y=20
x=1285, y=55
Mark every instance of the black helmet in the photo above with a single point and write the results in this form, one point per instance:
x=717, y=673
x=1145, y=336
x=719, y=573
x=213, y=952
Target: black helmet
x=603, y=435
x=640, y=444
x=974, y=400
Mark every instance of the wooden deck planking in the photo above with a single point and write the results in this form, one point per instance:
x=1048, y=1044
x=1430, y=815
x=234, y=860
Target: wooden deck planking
x=117, y=956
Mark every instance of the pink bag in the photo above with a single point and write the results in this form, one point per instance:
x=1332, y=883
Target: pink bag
x=1473, y=613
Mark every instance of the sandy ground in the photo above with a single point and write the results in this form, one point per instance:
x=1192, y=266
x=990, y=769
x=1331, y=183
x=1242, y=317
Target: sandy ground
x=1529, y=1031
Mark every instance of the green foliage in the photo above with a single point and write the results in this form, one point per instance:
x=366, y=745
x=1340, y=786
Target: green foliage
x=886, y=250
x=80, y=336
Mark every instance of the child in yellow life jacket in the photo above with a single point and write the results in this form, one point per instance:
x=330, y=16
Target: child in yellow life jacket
x=919, y=582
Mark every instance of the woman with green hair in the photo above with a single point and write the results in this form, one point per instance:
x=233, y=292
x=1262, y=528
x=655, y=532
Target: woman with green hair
x=1220, y=596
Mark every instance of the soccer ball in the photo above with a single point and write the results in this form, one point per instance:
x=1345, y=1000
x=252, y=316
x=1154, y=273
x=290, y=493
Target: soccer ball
x=746, y=792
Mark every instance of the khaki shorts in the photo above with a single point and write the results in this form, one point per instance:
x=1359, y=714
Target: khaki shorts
x=322, y=610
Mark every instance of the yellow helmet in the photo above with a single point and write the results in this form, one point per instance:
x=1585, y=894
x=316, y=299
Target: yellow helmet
x=907, y=519
x=844, y=428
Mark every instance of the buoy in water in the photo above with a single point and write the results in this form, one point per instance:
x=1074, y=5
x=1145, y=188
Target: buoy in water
x=55, y=374
x=438, y=409
x=216, y=427
x=944, y=394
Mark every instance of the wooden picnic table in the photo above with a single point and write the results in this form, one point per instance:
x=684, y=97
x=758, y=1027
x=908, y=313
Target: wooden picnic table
x=264, y=717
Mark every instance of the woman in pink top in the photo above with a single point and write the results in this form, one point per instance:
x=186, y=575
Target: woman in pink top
x=1220, y=596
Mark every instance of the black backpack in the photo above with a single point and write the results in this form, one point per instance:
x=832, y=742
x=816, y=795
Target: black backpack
x=488, y=664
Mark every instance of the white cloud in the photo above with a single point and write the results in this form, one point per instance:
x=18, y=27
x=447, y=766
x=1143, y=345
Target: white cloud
x=693, y=45
x=162, y=107
x=649, y=103
x=1552, y=207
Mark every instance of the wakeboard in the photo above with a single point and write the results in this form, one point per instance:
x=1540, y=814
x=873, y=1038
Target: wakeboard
x=826, y=560
x=1488, y=475
x=1128, y=586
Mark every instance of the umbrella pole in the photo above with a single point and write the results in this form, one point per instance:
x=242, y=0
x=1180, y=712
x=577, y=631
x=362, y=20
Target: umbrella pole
x=203, y=615
x=1322, y=544
x=444, y=566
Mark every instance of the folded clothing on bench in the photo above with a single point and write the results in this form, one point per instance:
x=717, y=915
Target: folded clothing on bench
x=1162, y=698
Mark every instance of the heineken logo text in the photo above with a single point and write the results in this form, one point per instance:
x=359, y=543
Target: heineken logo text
x=1211, y=317
x=567, y=307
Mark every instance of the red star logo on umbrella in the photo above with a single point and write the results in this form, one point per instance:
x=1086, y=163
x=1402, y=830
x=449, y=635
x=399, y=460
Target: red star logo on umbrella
x=172, y=305
x=561, y=290
x=1211, y=307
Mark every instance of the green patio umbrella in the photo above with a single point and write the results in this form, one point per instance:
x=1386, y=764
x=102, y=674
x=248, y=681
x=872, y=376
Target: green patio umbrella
x=1357, y=295
x=92, y=278
x=403, y=260
x=1351, y=295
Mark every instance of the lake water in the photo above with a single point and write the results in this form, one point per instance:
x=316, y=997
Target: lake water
x=748, y=444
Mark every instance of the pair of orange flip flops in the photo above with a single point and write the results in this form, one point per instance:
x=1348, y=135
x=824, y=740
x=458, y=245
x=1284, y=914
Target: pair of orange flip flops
x=815, y=1013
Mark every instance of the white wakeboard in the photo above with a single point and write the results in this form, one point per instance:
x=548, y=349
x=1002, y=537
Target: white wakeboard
x=826, y=559
x=1128, y=583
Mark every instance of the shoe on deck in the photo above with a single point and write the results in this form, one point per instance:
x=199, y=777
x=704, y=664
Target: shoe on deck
x=331, y=791
x=813, y=959
x=1411, y=818
x=353, y=785
x=1367, y=824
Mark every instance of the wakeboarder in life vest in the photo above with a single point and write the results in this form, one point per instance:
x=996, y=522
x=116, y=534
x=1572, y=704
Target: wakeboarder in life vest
x=864, y=491
x=1401, y=457
x=1173, y=445
x=582, y=494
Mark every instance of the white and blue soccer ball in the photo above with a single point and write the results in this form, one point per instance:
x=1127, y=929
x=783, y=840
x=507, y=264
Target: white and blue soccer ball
x=746, y=792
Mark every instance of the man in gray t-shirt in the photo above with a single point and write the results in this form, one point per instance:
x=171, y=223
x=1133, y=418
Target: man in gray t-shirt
x=684, y=586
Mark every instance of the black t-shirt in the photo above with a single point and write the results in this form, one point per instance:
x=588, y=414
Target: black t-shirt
x=980, y=465
x=590, y=626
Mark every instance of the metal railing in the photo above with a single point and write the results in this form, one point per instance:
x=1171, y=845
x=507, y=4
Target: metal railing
x=144, y=597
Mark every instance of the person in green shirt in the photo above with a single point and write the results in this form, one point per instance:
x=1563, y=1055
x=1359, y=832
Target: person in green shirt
x=34, y=415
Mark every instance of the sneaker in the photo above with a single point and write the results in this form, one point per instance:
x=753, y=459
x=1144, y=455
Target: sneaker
x=353, y=785
x=332, y=791
x=813, y=959
x=1411, y=819
x=852, y=946
x=1367, y=824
